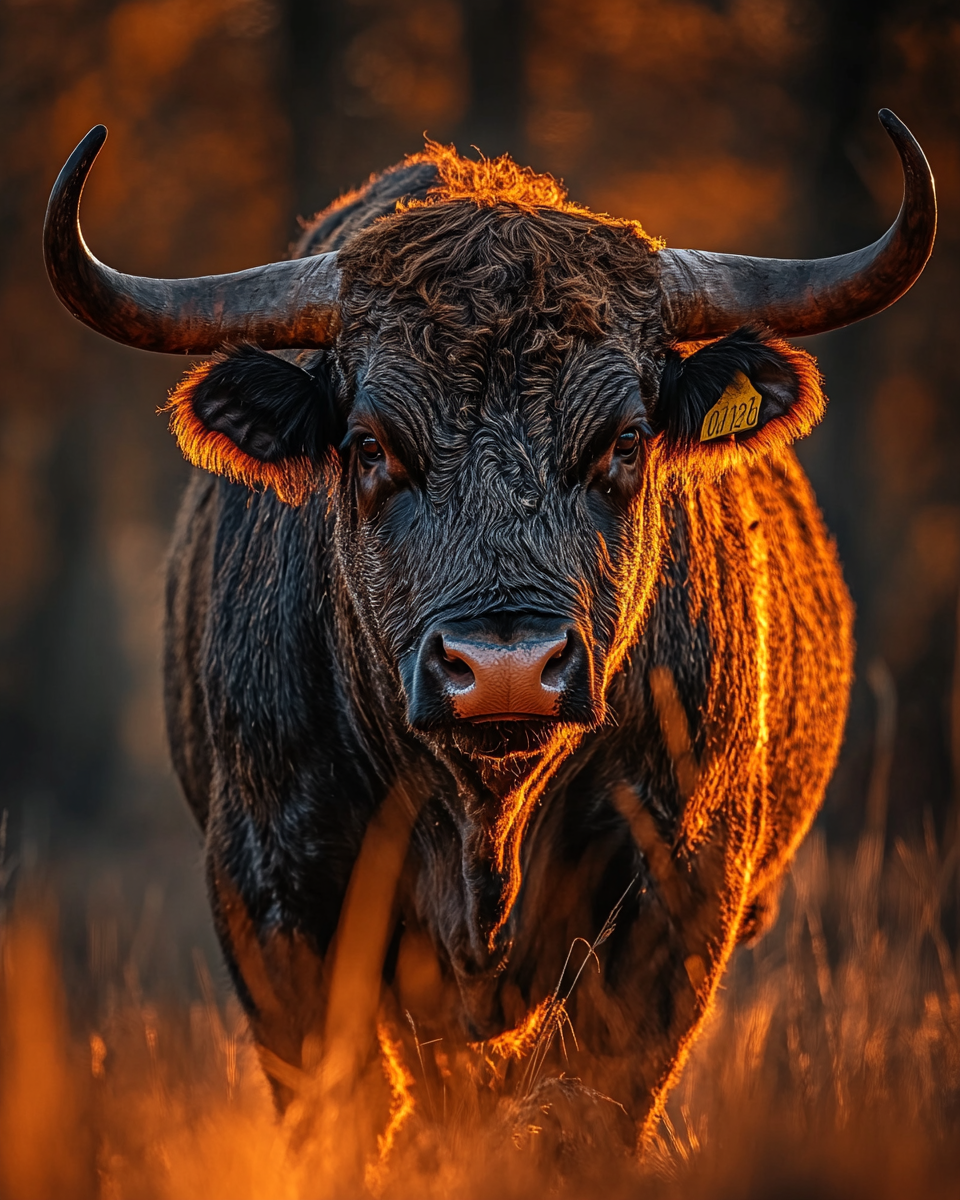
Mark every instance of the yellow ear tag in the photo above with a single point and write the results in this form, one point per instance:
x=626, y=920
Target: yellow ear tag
x=737, y=409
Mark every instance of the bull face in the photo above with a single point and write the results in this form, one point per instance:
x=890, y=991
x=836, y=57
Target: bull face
x=498, y=414
x=505, y=431
x=489, y=532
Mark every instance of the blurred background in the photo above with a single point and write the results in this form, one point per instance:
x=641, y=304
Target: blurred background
x=737, y=125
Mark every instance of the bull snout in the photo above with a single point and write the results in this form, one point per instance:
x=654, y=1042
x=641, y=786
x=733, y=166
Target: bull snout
x=489, y=680
x=502, y=669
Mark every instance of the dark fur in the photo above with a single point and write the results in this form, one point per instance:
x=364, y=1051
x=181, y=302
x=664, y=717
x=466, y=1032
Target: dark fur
x=497, y=352
x=268, y=407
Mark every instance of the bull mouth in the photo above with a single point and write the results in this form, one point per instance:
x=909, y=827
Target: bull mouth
x=503, y=736
x=506, y=716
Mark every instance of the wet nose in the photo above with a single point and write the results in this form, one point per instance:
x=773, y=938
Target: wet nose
x=501, y=667
x=496, y=680
x=490, y=677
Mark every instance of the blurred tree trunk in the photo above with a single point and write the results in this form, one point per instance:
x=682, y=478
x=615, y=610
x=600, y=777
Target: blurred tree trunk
x=362, y=83
x=495, y=34
x=858, y=64
x=839, y=214
x=311, y=89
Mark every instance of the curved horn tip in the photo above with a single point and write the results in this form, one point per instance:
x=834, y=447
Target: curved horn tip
x=892, y=123
x=916, y=171
x=900, y=135
x=907, y=145
x=89, y=146
x=707, y=295
x=73, y=174
x=283, y=305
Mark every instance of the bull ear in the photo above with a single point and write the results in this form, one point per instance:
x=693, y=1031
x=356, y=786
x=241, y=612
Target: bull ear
x=257, y=419
x=736, y=399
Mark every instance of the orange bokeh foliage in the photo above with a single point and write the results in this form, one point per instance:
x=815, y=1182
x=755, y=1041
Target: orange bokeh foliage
x=41, y=1101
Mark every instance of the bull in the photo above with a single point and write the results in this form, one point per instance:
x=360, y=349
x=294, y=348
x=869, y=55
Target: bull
x=502, y=619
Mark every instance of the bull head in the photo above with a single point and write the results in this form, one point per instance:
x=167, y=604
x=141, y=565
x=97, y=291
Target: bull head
x=489, y=624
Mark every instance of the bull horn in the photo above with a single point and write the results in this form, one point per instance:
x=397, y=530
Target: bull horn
x=707, y=295
x=280, y=305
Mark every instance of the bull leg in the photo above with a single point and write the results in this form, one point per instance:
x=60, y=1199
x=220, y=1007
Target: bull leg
x=316, y=1013
x=281, y=982
x=636, y=1017
x=285, y=987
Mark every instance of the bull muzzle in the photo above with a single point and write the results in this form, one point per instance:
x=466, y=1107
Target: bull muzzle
x=505, y=667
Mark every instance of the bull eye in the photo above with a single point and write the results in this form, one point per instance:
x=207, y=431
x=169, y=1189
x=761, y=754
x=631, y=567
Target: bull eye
x=627, y=443
x=370, y=450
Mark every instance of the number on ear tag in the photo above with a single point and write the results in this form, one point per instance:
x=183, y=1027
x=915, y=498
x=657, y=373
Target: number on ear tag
x=737, y=409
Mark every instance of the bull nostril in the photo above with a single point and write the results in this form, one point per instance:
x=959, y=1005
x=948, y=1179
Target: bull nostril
x=454, y=664
x=553, y=669
x=456, y=667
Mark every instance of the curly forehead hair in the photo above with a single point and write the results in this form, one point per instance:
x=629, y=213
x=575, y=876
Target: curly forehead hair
x=496, y=259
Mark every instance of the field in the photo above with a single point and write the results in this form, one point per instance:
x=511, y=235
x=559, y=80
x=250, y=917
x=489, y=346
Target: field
x=830, y=1066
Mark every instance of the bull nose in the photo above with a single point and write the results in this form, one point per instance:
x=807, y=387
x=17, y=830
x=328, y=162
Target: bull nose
x=500, y=667
x=490, y=679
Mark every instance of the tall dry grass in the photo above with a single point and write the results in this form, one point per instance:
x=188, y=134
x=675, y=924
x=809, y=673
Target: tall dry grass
x=830, y=1067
